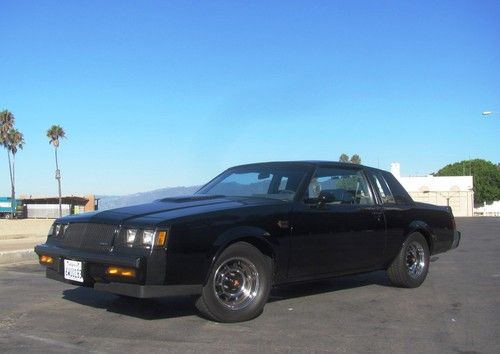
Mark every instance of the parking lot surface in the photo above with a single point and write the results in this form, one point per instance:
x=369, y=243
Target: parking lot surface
x=456, y=310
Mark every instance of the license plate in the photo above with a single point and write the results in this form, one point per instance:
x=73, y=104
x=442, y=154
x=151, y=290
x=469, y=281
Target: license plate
x=73, y=270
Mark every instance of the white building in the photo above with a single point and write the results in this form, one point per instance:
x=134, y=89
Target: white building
x=455, y=191
x=492, y=209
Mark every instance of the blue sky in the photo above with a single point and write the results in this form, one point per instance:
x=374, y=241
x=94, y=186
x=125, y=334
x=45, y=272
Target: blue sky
x=167, y=93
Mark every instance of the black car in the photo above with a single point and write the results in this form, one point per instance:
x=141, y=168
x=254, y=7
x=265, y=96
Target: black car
x=251, y=228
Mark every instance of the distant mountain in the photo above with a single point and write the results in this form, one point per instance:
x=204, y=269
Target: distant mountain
x=110, y=201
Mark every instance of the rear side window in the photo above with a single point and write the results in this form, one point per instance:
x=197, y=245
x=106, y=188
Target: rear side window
x=401, y=196
x=382, y=188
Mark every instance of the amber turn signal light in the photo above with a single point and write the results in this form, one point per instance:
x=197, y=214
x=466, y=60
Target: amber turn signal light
x=120, y=272
x=46, y=259
x=161, y=238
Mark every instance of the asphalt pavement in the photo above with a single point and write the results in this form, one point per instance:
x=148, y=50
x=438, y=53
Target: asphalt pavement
x=456, y=310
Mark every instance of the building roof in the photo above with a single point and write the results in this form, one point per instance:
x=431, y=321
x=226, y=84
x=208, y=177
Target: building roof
x=55, y=200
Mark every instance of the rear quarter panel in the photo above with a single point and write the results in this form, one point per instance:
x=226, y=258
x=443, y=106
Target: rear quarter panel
x=434, y=222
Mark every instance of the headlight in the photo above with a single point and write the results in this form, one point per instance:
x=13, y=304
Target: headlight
x=148, y=237
x=131, y=234
x=58, y=230
x=154, y=237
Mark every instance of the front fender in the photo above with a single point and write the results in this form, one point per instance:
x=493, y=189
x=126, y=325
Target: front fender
x=256, y=236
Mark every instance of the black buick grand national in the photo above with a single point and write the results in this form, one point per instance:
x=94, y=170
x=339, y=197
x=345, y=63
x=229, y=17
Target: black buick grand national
x=249, y=229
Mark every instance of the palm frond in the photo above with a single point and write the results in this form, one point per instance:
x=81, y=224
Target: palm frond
x=7, y=121
x=54, y=133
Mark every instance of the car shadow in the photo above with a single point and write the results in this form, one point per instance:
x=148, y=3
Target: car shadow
x=328, y=285
x=180, y=306
x=146, y=309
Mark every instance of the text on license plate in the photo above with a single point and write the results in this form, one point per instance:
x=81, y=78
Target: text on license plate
x=73, y=270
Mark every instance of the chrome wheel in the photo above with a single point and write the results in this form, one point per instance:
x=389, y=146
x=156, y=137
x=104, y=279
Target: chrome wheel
x=236, y=283
x=415, y=259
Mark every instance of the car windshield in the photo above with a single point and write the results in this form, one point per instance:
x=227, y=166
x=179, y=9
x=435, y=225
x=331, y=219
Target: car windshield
x=278, y=182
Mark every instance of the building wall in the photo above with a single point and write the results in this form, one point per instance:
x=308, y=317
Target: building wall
x=90, y=206
x=492, y=209
x=47, y=211
x=461, y=202
x=455, y=191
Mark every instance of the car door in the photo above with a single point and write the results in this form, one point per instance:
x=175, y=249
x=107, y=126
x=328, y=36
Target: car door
x=397, y=206
x=337, y=227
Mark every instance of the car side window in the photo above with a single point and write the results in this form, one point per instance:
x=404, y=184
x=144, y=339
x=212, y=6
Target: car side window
x=339, y=186
x=283, y=184
x=382, y=188
x=401, y=196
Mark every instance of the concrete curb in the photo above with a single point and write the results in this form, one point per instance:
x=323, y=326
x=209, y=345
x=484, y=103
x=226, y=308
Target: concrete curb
x=10, y=257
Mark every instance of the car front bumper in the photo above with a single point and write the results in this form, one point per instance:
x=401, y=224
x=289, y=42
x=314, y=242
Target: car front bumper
x=96, y=279
x=134, y=290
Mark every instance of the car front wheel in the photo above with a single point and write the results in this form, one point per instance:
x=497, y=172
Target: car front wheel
x=238, y=286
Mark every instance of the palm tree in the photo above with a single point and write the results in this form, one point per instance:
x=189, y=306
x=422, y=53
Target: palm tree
x=13, y=142
x=55, y=133
x=6, y=123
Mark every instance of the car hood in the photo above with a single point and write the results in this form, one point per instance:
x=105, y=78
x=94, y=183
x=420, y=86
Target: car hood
x=167, y=209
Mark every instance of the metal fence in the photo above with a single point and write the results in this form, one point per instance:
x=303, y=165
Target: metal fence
x=46, y=211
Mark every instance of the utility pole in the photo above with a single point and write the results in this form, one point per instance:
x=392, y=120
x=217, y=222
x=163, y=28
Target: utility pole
x=58, y=178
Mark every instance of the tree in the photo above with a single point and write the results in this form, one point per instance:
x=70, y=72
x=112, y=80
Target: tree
x=13, y=142
x=486, y=177
x=55, y=133
x=356, y=159
x=6, y=123
x=344, y=158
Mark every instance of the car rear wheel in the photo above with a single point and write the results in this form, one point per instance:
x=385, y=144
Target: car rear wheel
x=411, y=265
x=238, y=285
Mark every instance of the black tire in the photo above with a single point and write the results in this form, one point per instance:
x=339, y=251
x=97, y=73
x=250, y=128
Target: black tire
x=409, y=269
x=240, y=265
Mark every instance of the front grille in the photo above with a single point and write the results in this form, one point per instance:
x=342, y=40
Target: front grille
x=88, y=236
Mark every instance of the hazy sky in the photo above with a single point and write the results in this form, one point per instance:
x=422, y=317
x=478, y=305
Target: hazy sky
x=166, y=93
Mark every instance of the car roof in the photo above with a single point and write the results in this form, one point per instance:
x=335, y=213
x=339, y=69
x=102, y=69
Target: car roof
x=306, y=163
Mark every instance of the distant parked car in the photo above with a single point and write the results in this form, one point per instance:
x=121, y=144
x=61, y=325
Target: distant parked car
x=249, y=229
